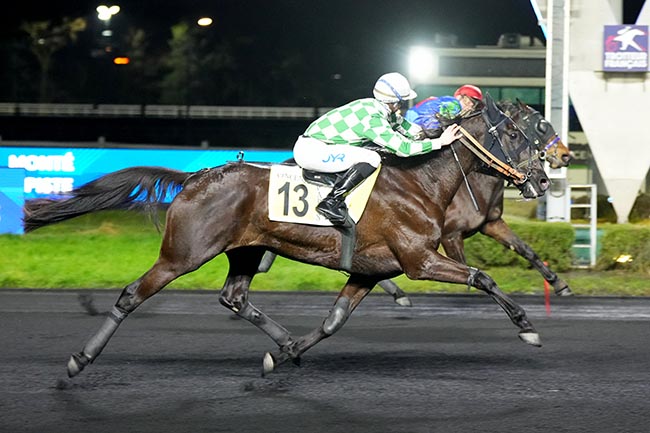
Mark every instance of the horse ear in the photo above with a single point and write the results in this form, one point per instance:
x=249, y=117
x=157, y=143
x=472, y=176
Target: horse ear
x=523, y=106
x=493, y=111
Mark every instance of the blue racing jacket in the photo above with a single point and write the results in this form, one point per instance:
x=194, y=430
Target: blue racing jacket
x=425, y=113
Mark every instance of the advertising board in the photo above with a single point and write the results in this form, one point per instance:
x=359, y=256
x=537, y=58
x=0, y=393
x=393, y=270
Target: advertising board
x=51, y=171
x=42, y=172
x=11, y=200
x=625, y=48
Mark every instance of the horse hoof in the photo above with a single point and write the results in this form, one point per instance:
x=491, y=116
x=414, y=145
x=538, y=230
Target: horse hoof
x=564, y=292
x=268, y=364
x=404, y=301
x=74, y=367
x=531, y=338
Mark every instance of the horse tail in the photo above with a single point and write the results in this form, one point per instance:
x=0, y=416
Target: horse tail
x=122, y=189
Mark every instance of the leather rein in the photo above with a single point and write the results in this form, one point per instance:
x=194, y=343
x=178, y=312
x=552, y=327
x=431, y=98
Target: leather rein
x=508, y=170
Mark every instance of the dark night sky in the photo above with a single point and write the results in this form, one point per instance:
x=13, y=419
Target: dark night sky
x=475, y=21
x=376, y=32
x=316, y=24
x=310, y=23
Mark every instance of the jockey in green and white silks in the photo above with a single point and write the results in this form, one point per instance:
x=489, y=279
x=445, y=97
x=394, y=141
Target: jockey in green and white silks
x=334, y=142
x=355, y=124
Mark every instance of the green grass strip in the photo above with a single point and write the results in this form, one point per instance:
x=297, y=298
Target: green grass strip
x=111, y=249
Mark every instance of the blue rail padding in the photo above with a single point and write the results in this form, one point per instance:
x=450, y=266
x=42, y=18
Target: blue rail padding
x=12, y=198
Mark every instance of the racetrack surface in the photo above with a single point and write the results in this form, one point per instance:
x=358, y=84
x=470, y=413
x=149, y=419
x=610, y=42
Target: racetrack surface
x=451, y=363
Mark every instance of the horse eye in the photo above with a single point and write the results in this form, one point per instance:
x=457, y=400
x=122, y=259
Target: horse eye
x=542, y=126
x=514, y=135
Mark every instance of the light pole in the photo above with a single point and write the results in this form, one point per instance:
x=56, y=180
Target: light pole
x=191, y=65
x=104, y=14
x=192, y=57
x=104, y=48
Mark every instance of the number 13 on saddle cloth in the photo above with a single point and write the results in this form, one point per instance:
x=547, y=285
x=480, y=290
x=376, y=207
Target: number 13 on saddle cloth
x=292, y=199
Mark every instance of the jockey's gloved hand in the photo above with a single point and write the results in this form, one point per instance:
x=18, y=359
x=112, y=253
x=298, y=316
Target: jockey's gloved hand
x=451, y=134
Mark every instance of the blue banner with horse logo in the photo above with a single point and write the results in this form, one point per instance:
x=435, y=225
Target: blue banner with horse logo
x=11, y=200
x=626, y=48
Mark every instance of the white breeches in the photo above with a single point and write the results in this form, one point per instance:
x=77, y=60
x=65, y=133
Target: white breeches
x=313, y=154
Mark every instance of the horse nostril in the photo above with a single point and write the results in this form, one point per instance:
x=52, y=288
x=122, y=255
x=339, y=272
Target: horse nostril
x=544, y=184
x=566, y=158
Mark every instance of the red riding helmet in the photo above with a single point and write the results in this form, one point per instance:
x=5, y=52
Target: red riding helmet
x=469, y=90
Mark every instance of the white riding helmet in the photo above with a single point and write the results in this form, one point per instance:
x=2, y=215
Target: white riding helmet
x=393, y=87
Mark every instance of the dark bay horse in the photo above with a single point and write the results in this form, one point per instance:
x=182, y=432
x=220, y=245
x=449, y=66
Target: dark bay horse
x=463, y=220
x=224, y=210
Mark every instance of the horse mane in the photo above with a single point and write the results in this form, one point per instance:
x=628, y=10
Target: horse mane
x=508, y=107
x=514, y=108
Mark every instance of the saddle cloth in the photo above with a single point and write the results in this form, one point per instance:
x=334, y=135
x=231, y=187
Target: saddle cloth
x=292, y=199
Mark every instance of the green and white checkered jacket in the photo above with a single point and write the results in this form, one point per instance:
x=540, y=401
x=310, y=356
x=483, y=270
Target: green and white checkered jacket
x=368, y=120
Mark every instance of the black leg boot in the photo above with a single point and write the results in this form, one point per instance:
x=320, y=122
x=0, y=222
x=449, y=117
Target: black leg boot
x=333, y=206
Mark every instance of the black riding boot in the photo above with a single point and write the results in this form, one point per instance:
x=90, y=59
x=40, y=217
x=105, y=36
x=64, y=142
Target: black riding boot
x=333, y=206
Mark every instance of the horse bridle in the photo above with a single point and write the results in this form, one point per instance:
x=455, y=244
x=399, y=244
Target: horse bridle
x=541, y=130
x=507, y=167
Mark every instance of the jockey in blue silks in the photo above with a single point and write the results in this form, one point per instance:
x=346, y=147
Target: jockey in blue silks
x=427, y=113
